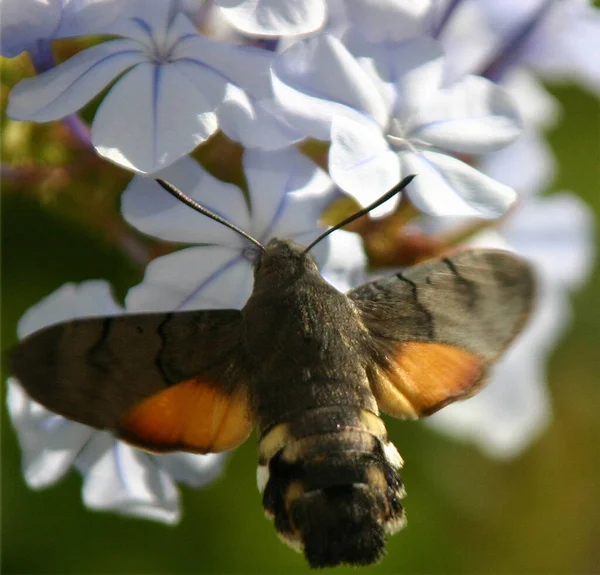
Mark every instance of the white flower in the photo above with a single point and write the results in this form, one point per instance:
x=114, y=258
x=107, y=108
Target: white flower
x=172, y=80
x=388, y=115
x=287, y=195
x=117, y=476
x=24, y=23
x=379, y=21
x=388, y=20
x=527, y=165
x=558, y=39
x=274, y=17
x=555, y=234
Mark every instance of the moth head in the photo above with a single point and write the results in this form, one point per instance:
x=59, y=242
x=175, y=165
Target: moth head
x=283, y=260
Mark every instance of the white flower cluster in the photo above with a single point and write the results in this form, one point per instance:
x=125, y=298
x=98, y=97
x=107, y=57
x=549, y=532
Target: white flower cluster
x=446, y=89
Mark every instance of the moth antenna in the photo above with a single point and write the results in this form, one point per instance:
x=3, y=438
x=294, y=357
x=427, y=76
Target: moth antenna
x=396, y=189
x=199, y=208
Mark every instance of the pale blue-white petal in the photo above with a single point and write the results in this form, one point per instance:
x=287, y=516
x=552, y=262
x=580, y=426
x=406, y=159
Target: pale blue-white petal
x=24, y=22
x=567, y=44
x=69, y=86
x=191, y=469
x=243, y=111
x=154, y=115
x=274, y=17
x=288, y=193
x=445, y=186
x=527, y=165
x=87, y=299
x=417, y=70
x=374, y=59
x=126, y=480
x=49, y=443
x=361, y=162
x=506, y=16
x=473, y=116
x=83, y=17
x=557, y=234
x=468, y=42
x=209, y=277
x=317, y=80
x=564, y=42
x=537, y=107
x=152, y=210
x=148, y=23
x=246, y=66
x=254, y=123
x=389, y=20
x=346, y=264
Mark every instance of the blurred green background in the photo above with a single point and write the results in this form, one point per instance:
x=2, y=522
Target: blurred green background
x=538, y=513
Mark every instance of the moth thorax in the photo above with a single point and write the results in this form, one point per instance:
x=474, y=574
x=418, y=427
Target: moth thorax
x=330, y=482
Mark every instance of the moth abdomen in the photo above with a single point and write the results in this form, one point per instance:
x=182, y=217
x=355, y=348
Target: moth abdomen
x=333, y=489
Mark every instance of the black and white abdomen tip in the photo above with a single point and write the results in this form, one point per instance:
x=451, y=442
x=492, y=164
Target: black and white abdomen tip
x=334, y=494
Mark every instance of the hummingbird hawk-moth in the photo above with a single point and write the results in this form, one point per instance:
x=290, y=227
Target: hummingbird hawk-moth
x=309, y=367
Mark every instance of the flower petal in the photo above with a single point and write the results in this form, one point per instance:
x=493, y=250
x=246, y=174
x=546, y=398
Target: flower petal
x=85, y=17
x=578, y=46
x=252, y=123
x=69, y=86
x=388, y=20
x=564, y=41
x=210, y=277
x=527, y=165
x=473, y=116
x=558, y=228
x=123, y=479
x=361, y=162
x=288, y=193
x=445, y=186
x=506, y=16
x=149, y=208
x=417, y=70
x=154, y=115
x=245, y=66
x=191, y=469
x=148, y=23
x=243, y=112
x=346, y=264
x=274, y=17
x=49, y=442
x=317, y=80
x=468, y=42
x=24, y=22
x=536, y=106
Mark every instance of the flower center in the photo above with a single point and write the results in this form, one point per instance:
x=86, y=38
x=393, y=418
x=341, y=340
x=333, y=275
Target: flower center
x=396, y=136
x=159, y=51
x=156, y=46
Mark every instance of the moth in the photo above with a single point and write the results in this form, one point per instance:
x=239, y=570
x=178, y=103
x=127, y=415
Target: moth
x=309, y=367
